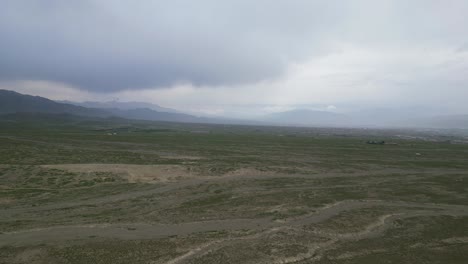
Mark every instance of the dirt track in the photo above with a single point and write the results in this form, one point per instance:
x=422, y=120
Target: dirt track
x=259, y=228
x=153, y=231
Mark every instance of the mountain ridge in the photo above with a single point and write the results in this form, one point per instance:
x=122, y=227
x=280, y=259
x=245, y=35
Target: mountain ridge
x=12, y=102
x=121, y=105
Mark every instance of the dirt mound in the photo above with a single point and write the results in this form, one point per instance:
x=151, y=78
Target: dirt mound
x=133, y=173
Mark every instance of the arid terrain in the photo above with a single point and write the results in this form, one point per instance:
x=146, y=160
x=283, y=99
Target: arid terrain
x=142, y=192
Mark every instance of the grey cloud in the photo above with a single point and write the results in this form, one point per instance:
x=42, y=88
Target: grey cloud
x=133, y=44
x=115, y=45
x=462, y=48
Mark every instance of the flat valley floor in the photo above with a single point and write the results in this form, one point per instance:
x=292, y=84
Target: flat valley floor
x=136, y=192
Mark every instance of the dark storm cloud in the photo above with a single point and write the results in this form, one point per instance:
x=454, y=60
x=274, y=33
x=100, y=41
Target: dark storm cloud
x=103, y=45
x=114, y=45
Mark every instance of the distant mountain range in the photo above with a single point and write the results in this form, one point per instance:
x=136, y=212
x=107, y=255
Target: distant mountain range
x=13, y=102
x=385, y=118
x=445, y=121
x=307, y=117
x=122, y=105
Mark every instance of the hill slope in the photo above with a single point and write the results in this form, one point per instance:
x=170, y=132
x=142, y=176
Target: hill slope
x=13, y=102
x=122, y=105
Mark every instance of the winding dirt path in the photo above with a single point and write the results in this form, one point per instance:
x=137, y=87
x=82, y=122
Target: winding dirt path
x=262, y=226
x=324, y=213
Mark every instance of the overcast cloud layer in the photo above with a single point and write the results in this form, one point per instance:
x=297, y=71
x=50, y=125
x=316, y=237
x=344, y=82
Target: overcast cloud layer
x=213, y=55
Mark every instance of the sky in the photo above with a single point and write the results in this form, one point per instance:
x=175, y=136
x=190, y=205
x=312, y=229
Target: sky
x=240, y=58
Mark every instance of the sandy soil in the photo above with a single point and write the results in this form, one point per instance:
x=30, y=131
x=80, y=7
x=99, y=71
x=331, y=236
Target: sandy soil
x=152, y=173
x=133, y=173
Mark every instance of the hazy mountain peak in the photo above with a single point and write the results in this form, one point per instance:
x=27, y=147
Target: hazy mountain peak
x=123, y=105
x=307, y=117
